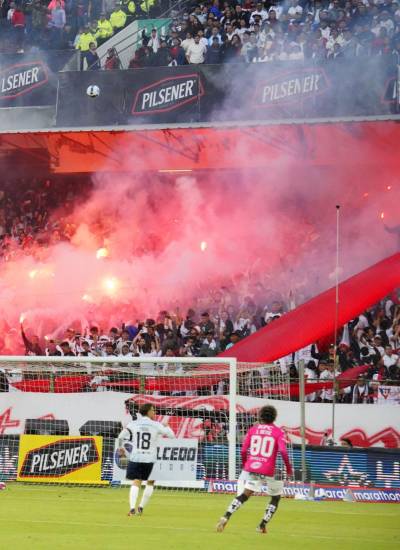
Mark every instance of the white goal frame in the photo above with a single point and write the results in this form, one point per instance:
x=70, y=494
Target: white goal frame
x=229, y=362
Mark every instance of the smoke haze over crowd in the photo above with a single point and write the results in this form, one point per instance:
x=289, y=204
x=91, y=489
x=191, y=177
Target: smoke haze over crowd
x=146, y=242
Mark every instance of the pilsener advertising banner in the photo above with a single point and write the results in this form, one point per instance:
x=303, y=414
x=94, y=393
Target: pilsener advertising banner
x=202, y=93
x=176, y=461
x=31, y=80
x=58, y=459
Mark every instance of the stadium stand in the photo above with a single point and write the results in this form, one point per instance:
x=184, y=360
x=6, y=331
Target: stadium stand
x=216, y=32
x=34, y=215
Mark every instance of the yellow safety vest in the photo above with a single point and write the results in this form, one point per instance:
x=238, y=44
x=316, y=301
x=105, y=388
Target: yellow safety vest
x=146, y=5
x=104, y=29
x=118, y=19
x=131, y=7
x=84, y=40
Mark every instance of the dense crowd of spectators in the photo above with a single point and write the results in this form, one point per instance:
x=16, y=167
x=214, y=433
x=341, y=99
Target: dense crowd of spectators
x=215, y=322
x=26, y=226
x=212, y=32
x=371, y=340
x=68, y=24
x=275, y=31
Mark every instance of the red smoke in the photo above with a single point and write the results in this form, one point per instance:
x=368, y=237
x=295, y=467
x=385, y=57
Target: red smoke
x=276, y=227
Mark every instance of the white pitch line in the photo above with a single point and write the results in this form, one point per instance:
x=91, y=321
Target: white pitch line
x=184, y=529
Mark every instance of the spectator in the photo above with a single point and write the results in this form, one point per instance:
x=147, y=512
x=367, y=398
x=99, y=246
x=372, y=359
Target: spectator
x=233, y=49
x=311, y=375
x=390, y=358
x=92, y=58
x=39, y=14
x=112, y=61
x=215, y=11
x=84, y=39
x=394, y=372
x=214, y=34
x=18, y=23
x=210, y=346
x=147, y=58
x=234, y=339
x=104, y=29
x=187, y=42
x=206, y=325
x=336, y=53
x=177, y=52
x=108, y=350
x=118, y=18
x=203, y=39
x=295, y=11
x=52, y=349
x=57, y=22
x=66, y=349
x=326, y=373
x=154, y=42
x=361, y=392
x=230, y=31
x=130, y=9
x=196, y=52
x=85, y=350
x=32, y=346
x=135, y=62
x=214, y=52
x=259, y=11
x=162, y=57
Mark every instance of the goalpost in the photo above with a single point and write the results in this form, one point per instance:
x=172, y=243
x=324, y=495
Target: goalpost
x=73, y=408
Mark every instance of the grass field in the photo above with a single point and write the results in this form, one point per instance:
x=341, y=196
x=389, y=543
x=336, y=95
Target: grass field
x=44, y=517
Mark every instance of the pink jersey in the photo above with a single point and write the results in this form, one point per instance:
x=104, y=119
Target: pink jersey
x=260, y=449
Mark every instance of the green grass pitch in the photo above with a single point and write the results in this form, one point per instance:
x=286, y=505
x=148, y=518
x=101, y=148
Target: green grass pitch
x=57, y=517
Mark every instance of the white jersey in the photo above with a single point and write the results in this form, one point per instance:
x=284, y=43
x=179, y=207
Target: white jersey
x=143, y=435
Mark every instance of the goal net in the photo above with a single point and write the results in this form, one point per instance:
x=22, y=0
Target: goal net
x=71, y=410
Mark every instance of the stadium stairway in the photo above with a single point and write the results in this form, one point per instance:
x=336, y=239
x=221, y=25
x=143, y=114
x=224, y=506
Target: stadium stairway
x=129, y=39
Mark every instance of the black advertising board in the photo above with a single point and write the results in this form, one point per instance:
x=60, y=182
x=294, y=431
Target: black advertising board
x=31, y=80
x=204, y=93
x=196, y=93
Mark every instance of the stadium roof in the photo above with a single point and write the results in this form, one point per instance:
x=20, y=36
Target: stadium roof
x=237, y=146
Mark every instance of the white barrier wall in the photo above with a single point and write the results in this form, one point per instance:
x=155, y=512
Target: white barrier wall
x=129, y=39
x=365, y=425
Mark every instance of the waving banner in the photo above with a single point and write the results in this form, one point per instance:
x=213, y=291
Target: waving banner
x=315, y=319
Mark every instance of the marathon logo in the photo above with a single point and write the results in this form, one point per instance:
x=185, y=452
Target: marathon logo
x=60, y=458
x=187, y=454
x=291, y=87
x=22, y=78
x=167, y=94
x=290, y=490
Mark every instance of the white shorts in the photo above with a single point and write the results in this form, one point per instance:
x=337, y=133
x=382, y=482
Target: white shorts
x=254, y=482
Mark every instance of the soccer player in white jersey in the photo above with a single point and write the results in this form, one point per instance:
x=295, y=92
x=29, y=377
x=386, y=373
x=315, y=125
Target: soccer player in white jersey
x=142, y=435
x=260, y=448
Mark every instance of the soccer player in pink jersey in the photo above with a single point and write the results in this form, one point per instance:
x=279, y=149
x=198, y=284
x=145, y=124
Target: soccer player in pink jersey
x=259, y=451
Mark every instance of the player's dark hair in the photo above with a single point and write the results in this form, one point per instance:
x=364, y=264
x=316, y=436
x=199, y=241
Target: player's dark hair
x=145, y=408
x=267, y=414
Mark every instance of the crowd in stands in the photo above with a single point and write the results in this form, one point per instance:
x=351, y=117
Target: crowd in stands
x=67, y=24
x=26, y=227
x=212, y=32
x=293, y=30
x=213, y=323
x=371, y=340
